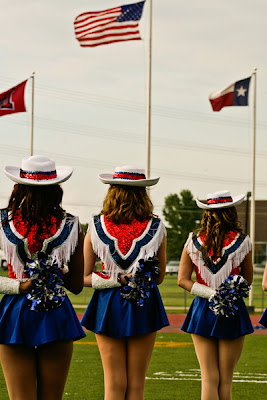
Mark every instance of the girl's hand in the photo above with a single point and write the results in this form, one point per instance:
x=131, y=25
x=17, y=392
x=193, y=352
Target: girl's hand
x=24, y=287
x=125, y=278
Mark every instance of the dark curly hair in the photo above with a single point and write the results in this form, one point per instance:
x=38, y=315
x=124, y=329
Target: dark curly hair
x=215, y=224
x=37, y=204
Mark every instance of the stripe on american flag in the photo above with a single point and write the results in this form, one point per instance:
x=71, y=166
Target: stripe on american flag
x=102, y=27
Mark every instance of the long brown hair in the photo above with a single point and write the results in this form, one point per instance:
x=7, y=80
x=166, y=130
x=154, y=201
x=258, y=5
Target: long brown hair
x=123, y=203
x=215, y=225
x=36, y=204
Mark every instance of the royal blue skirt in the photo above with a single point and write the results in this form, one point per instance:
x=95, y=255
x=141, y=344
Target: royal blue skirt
x=110, y=314
x=202, y=321
x=20, y=325
x=263, y=319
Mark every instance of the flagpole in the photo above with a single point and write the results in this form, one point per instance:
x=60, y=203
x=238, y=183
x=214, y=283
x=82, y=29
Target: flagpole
x=148, y=133
x=252, y=212
x=32, y=116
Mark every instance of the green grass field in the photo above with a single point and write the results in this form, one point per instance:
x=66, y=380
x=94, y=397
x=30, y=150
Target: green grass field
x=173, y=372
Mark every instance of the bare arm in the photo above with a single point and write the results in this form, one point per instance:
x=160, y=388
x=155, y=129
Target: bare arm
x=247, y=268
x=264, y=279
x=185, y=271
x=89, y=260
x=161, y=255
x=74, y=278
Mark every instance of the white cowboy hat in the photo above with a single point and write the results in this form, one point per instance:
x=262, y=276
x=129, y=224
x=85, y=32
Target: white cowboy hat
x=128, y=175
x=222, y=199
x=38, y=171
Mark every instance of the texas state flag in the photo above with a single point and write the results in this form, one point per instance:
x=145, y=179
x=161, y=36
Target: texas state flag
x=234, y=95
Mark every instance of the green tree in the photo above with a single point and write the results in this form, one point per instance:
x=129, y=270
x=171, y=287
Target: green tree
x=85, y=227
x=182, y=216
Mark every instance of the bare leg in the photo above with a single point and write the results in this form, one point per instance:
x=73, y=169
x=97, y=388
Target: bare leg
x=138, y=357
x=113, y=355
x=19, y=368
x=229, y=354
x=207, y=354
x=53, y=366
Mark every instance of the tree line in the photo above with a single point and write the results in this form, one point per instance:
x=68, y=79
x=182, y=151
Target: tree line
x=182, y=216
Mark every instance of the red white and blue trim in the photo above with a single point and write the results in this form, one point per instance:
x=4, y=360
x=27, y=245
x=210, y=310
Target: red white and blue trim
x=214, y=272
x=38, y=175
x=59, y=247
x=221, y=199
x=128, y=175
x=106, y=246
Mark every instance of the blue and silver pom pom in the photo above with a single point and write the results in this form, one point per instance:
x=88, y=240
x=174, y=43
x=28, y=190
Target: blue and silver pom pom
x=47, y=290
x=225, y=302
x=138, y=289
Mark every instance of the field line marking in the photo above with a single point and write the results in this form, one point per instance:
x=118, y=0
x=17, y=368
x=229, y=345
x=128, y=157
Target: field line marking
x=88, y=343
x=199, y=379
x=173, y=344
x=157, y=344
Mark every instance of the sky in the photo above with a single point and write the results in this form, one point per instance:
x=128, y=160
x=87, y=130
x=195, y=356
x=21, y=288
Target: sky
x=90, y=103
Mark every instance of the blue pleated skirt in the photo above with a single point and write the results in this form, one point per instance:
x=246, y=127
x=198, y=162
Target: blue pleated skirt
x=20, y=325
x=202, y=321
x=110, y=314
x=263, y=320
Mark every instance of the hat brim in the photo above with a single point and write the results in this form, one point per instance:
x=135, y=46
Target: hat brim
x=108, y=179
x=236, y=200
x=63, y=174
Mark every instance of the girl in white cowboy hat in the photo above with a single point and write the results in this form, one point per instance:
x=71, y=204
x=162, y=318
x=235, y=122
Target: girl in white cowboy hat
x=44, y=250
x=220, y=254
x=126, y=308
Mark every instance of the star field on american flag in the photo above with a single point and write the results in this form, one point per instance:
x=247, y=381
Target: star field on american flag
x=113, y=25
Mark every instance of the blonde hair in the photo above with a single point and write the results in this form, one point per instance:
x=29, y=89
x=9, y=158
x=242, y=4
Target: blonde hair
x=122, y=204
x=215, y=224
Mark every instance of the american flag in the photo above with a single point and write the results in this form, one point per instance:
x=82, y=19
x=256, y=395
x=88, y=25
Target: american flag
x=114, y=25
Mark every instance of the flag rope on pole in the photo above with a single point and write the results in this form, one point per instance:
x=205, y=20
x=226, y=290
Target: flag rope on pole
x=253, y=185
x=32, y=116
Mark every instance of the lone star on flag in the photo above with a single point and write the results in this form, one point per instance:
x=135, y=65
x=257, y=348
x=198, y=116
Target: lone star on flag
x=241, y=91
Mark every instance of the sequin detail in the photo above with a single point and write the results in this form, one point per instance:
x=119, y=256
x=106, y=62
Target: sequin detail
x=125, y=233
x=38, y=175
x=141, y=245
x=50, y=227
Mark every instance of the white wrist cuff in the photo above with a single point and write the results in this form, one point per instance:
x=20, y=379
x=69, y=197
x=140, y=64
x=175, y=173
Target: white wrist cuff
x=102, y=283
x=9, y=286
x=202, y=290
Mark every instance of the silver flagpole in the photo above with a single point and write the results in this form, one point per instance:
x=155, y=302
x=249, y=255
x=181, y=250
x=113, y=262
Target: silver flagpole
x=32, y=116
x=148, y=134
x=252, y=213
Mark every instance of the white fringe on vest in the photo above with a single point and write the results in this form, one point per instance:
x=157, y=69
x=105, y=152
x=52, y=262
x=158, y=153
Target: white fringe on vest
x=234, y=260
x=61, y=254
x=102, y=250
